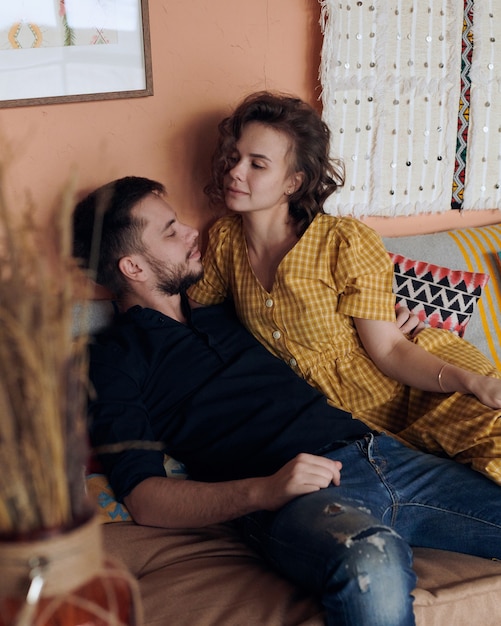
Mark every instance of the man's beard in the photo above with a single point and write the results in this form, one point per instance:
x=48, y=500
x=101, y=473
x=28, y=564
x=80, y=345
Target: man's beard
x=173, y=280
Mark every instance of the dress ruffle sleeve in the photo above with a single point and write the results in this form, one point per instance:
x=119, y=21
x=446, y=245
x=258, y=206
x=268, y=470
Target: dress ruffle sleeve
x=364, y=272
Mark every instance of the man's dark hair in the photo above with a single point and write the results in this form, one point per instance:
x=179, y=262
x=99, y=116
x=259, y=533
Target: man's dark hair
x=105, y=228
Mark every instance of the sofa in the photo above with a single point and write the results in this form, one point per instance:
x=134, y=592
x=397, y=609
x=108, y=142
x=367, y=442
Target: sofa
x=209, y=577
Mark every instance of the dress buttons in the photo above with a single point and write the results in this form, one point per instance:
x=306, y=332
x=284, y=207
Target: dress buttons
x=269, y=303
x=292, y=362
x=277, y=334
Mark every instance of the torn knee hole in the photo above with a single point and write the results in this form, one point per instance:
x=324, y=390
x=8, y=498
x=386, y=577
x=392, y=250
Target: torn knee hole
x=333, y=509
x=373, y=535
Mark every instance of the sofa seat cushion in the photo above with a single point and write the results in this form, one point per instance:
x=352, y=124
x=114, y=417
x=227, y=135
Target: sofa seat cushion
x=206, y=577
x=456, y=589
x=209, y=577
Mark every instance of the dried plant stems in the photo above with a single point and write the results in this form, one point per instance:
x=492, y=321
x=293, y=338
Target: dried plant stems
x=42, y=374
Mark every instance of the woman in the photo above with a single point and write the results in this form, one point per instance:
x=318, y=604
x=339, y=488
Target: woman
x=316, y=290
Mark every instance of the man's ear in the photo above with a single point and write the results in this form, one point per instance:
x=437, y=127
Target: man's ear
x=132, y=268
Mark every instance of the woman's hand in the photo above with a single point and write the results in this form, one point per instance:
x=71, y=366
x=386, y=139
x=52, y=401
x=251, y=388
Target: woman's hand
x=485, y=388
x=407, y=322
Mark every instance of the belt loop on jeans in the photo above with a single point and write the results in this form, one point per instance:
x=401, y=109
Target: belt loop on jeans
x=369, y=440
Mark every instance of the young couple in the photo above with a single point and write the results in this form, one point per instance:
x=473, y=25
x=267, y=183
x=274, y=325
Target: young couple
x=332, y=504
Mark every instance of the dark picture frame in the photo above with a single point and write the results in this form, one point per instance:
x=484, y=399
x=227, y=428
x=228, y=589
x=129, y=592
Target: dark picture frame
x=74, y=53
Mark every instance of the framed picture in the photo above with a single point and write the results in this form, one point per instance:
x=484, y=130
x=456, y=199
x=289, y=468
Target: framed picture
x=73, y=50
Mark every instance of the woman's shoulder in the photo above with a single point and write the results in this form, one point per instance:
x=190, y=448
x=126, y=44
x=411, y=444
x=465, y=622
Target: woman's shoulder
x=344, y=227
x=226, y=243
x=226, y=225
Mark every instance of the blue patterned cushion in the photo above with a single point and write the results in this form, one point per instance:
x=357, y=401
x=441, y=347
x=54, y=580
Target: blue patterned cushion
x=101, y=494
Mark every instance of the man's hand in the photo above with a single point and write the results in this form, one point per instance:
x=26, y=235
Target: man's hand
x=303, y=474
x=408, y=323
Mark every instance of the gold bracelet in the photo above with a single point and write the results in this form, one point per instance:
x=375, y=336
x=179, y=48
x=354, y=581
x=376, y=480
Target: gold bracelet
x=440, y=378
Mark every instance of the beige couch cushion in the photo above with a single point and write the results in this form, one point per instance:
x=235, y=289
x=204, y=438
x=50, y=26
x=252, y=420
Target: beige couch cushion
x=208, y=577
x=456, y=589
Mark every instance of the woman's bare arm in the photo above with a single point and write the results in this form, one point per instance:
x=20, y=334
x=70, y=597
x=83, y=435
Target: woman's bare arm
x=411, y=365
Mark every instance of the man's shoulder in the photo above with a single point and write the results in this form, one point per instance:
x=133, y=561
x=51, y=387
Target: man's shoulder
x=126, y=349
x=125, y=331
x=217, y=316
x=222, y=323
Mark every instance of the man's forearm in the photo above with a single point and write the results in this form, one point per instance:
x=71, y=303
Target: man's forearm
x=172, y=503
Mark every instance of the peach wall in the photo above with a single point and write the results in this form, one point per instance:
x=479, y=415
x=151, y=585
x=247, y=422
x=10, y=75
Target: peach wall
x=206, y=55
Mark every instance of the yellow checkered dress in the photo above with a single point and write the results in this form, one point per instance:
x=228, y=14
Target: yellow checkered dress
x=337, y=271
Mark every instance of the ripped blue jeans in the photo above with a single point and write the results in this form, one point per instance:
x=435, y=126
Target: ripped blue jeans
x=349, y=545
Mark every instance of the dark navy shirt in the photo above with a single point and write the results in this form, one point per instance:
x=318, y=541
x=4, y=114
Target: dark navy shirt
x=217, y=399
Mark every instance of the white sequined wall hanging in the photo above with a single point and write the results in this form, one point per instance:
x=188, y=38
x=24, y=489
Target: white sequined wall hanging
x=390, y=92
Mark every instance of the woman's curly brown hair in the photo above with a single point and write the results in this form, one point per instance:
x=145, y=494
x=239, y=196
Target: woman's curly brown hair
x=309, y=137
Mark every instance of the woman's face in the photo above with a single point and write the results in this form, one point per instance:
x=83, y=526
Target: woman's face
x=260, y=175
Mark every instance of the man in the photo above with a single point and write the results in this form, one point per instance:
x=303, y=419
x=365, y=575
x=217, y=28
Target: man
x=331, y=504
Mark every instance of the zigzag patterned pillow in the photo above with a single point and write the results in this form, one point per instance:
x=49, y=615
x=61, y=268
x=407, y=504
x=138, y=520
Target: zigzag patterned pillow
x=439, y=296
